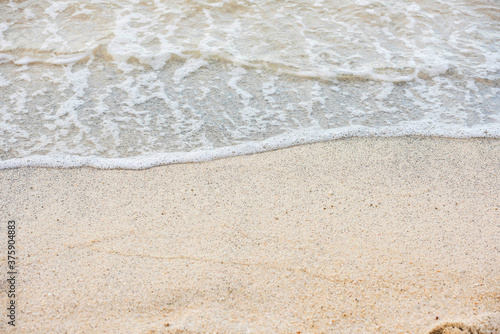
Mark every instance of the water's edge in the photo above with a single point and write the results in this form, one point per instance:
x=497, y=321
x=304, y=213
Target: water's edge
x=271, y=144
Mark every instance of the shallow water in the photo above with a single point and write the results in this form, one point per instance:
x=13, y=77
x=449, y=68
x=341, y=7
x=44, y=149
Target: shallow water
x=134, y=84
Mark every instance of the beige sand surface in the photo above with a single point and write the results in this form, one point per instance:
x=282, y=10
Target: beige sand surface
x=387, y=235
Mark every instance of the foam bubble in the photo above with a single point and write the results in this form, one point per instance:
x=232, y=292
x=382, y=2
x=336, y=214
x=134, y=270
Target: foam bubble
x=190, y=66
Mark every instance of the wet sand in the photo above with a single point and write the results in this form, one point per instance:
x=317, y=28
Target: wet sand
x=362, y=235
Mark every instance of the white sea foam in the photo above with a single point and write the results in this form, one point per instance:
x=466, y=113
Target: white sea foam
x=133, y=84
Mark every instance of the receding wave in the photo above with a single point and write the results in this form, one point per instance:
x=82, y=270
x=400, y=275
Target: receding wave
x=140, y=83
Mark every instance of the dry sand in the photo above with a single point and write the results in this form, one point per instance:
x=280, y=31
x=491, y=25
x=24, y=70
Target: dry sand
x=387, y=235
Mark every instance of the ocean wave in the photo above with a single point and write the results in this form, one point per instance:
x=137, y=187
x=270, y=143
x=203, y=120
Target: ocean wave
x=390, y=40
x=191, y=79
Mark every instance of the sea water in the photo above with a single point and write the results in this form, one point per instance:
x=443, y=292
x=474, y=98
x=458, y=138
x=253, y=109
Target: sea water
x=134, y=84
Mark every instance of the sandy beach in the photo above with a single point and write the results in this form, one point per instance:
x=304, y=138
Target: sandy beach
x=360, y=235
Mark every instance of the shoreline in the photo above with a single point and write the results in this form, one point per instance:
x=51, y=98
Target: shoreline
x=363, y=234
x=276, y=143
